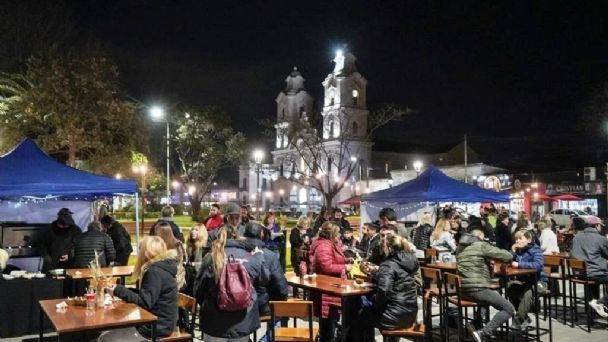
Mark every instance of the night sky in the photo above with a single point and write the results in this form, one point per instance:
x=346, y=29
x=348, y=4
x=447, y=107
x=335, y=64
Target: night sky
x=513, y=76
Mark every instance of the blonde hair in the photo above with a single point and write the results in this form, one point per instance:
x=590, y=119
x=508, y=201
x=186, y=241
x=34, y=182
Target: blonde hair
x=218, y=253
x=201, y=239
x=329, y=231
x=542, y=225
x=150, y=247
x=303, y=220
x=426, y=218
x=440, y=228
x=396, y=243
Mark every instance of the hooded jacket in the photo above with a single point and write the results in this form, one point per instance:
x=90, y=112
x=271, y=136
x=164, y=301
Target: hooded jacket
x=122, y=242
x=57, y=242
x=472, y=258
x=157, y=293
x=591, y=247
x=229, y=324
x=531, y=257
x=396, y=296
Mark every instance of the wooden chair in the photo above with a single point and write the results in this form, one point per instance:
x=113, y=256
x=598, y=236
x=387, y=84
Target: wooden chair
x=577, y=275
x=292, y=309
x=552, y=263
x=416, y=332
x=188, y=304
x=429, y=253
x=263, y=319
x=432, y=280
x=452, y=281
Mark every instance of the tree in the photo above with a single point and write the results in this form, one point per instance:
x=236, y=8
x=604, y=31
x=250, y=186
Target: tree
x=204, y=143
x=324, y=162
x=71, y=105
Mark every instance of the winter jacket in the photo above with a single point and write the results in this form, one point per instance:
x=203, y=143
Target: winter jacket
x=157, y=294
x=504, y=239
x=472, y=258
x=276, y=287
x=395, y=298
x=85, y=246
x=591, y=247
x=297, y=241
x=531, y=257
x=548, y=242
x=327, y=258
x=229, y=324
x=122, y=242
x=57, y=242
x=422, y=236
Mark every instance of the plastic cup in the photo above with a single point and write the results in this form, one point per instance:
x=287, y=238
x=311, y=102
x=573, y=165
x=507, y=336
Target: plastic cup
x=90, y=298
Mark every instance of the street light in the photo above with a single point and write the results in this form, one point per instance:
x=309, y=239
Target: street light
x=158, y=114
x=141, y=169
x=258, y=157
x=418, y=167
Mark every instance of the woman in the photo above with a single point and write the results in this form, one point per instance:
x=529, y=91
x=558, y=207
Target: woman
x=422, y=234
x=196, y=247
x=274, y=238
x=228, y=326
x=443, y=240
x=394, y=305
x=526, y=254
x=155, y=271
x=457, y=229
x=548, y=239
x=327, y=258
x=504, y=238
x=298, y=240
x=164, y=231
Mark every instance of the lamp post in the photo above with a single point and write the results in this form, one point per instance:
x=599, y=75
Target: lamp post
x=258, y=156
x=141, y=169
x=158, y=114
x=417, y=167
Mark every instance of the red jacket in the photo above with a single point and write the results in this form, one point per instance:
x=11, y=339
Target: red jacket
x=214, y=222
x=327, y=258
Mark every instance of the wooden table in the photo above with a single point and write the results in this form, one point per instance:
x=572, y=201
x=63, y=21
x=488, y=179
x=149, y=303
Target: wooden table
x=336, y=287
x=449, y=267
x=78, y=319
x=85, y=273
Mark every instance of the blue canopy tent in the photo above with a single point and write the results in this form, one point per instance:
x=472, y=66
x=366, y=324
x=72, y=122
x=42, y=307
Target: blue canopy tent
x=431, y=186
x=27, y=172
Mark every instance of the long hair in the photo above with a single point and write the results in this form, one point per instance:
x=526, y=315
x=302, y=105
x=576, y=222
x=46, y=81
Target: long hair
x=201, y=238
x=440, y=228
x=329, y=231
x=149, y=248
x=164, y=231
x=267, y=217
x=426, y=218
x=218, y=253
x=395, y=243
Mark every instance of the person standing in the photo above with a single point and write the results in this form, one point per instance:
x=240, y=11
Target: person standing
x=93, y=240
x=168, y=212
x=215, y=219
x=196, y=247
x=120, y=238
x=245, y=215
x=298, y=240
x=58, y=241
x=164, y=231
x=340, y=221
x=274, y=237
x=504, y=239
x=422, y=234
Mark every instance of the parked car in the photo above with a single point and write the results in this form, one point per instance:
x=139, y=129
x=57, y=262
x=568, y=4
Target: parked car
x=563, y=217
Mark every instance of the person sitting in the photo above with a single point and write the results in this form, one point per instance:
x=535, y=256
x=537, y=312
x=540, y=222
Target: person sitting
x=165, y=232
x=58, y=241
x=120, y=238
x=504, y=239
x=299, y=240
x=527, y=255
x=215, y=219
x=443, y=241
x=339, y=220
x=93, y=240
x=168, y=212
x=389, y=216
x=196, y=247
x=394, y=306
x=473, y=256
x=220, y=325
x=548, y=239
x=588, y=245
x=348, y=241
x=421, y=235
x=155, y=271
x=245, y=215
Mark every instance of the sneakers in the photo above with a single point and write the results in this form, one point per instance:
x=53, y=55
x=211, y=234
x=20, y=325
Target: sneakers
x=477, y=335
x=521, y=325
x=599, y=308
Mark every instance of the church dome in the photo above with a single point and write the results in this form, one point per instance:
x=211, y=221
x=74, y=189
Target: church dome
x=294, y=82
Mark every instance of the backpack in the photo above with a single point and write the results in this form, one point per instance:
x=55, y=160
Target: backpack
x=235, y=288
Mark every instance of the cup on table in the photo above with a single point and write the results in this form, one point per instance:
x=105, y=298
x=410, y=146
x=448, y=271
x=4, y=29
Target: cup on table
x=90, y=298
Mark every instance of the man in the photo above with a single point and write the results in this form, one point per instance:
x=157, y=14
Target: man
x=120, y=238
x=233, y=220
x=590, y=246
x=215, y=219
x=168, y=212
x=372, y=237
x=245, y=216
x=93, y=240
x=389, y=216
x=473, y=262
x=58, y=241
x=378, y=251
x=340, y=221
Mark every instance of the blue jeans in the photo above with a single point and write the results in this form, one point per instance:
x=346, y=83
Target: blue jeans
x=268, y=336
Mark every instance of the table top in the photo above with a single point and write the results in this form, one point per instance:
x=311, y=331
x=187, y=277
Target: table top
x=330, y=285
x=514, y=272
x=444, y=266
x=85, y=273
x=78, y=318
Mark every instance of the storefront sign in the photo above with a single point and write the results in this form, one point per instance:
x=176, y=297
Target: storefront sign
x=586, y=188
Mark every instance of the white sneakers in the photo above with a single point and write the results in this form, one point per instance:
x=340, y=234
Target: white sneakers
x=599, y=308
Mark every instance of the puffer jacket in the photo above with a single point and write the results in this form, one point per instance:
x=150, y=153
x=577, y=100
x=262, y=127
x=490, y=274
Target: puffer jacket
x=395, y=299
x=157, y=294
x=229, y=324
x=591, y=247
x=422, y=236
x=85, y=246
x=327, y=258
x=531, y=257
x=472, y=261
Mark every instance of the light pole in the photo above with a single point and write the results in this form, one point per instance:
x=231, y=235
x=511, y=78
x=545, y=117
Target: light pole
x=158, y=115
x=258, y=156
x=141, y=169
x=417, y=167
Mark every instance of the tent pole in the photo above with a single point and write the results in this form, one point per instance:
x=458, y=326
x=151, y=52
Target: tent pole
x=137, y=222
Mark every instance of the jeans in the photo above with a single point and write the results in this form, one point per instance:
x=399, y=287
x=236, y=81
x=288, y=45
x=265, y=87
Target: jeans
x=520, y=294
x=498, y=302
x=595, y=289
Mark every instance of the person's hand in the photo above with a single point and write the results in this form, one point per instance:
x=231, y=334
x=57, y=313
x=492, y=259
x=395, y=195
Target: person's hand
x=110, y=289
x=349, y=267
x=515, y=264
x=63, y=258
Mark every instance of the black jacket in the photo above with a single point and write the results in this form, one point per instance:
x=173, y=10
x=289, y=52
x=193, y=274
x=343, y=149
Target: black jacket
x=396, y=296
x=85, y=246
x=57, y=242
x=157, y=294
x=121, y=239
x=374, y=250
x=229, y=324
x=504, y=238
x=174, y=228
x=422, y=236
x=276, y=287
x=343, y=224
